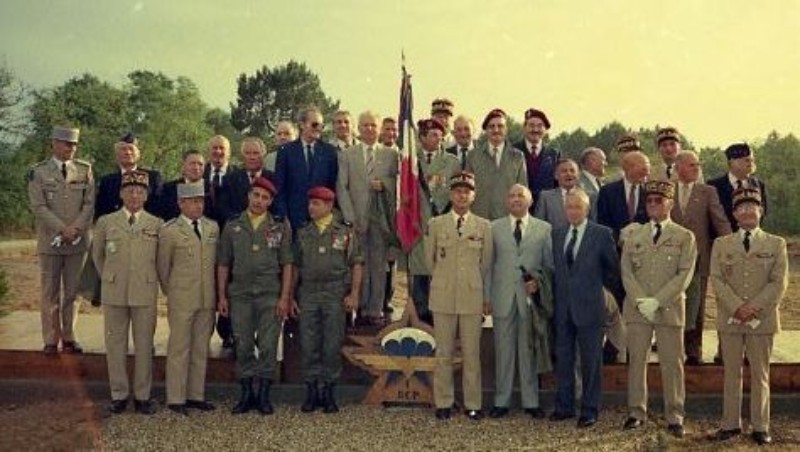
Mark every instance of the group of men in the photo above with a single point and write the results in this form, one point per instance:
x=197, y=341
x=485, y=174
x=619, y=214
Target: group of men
x=561, y=260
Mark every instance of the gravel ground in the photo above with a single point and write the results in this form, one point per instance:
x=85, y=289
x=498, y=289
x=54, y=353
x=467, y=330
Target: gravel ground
x=79, y=422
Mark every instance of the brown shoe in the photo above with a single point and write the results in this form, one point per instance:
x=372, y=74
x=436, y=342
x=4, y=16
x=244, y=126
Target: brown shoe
x=71, y=347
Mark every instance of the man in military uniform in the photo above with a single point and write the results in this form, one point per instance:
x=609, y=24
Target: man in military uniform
x=187, y=248
x=61, y=193
x=658, y=260
x=328, y=267
x=458, y=251
x=442, y=111
x=253, y=272
x=749, y=271
x=124, y=253
x=435, y=169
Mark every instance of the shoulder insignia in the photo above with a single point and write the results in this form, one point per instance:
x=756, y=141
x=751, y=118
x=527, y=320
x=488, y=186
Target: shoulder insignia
x=82, y=162
x=172, y=221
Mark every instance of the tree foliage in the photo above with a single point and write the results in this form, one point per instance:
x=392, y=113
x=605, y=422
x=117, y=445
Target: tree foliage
x=273, y=94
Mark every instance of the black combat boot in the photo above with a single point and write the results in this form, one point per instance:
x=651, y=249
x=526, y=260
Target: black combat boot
x=312, y=397
x=247, y=399
x=264, y=405
x=328, y=401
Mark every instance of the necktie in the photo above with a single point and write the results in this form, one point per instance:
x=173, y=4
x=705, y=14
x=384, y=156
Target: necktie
x=370, y=161
x=739, y=184
x=428, y=157
x=570, y=253
x=669, y=172
x=495, y=151
x=657, y=235
x=196, y=225
x=64, y=170
x=464, y=158
x=599, y=181
x=217, y=178
x=460, y=225
x=518, y=232
x=683, y=196
x=632, y=202
x=132, y=220
x=252, y=177
x=746, y=241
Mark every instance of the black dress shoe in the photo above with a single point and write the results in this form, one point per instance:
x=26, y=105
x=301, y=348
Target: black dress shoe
x=178, y=408
x=536, y=413
x=761, y=438
x=71, y=347
x=118, y=406
x=227, y=343
x=475, y=415
x=558, y=417
x=632, y=423
x=50, y=350
x=586, y=422
x=201, y=405
x=693, y=361
x=717, y=359
x=144, y=406
x=724, y=435
x=675, y=430
x=498, y=412
x=443, y=413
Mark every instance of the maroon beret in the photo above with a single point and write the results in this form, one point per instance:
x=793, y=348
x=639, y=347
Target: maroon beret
x=266, y=184
x=321, y=193
x=534, y=113
x=426, y=125
x=496, y=113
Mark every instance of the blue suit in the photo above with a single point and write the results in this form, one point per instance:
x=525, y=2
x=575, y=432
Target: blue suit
x=580, y=313
x=612, y=207
x=294, y=177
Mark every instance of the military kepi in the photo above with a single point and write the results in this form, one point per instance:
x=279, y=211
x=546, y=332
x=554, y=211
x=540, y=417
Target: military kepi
x=628, y=143
x=462, y=179
x=743, y=195
x=660, y=187
x=67, y=134
x=668, y=133
x=737, y=151
x=191, y=190
x=137, y=177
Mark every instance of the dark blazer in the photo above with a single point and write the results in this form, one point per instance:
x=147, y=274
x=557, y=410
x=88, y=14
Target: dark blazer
x=579, y=290
x=169, y=209
x=545, y=179
x=612, y=207
x=234, y=198
x=454, y=151
x=219, y=197
x=108, y=200
x=293, y=178
x=725, y=192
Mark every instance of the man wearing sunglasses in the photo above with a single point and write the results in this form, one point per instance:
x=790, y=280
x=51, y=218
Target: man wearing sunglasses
x=302, y=164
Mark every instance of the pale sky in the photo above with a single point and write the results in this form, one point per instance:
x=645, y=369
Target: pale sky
x=720, y=71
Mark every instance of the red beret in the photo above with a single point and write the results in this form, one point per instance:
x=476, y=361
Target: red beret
x=426, y=125
x=534, y=113
x=266, y=184
x=496, y=113
x=322, y=193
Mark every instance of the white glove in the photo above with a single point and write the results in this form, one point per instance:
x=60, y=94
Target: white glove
x=648, y=307
x=752, y=323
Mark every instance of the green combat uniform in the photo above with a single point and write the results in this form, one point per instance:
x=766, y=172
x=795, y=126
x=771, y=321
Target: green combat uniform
x=255, y=258
x=324, y=261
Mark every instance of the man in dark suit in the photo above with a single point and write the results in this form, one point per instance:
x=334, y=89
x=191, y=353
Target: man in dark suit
x=585, y=260
x=621, y=202
x=192, y=172
x=217, y=173
x=127, y=153
x=302, y=164
x=239, y=181
x=540, y=161
x=462, y=131
x=741, y=166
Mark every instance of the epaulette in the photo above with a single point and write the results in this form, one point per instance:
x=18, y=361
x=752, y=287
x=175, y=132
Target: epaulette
x=82, y=162
x=33, y=168
x=169, y=222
